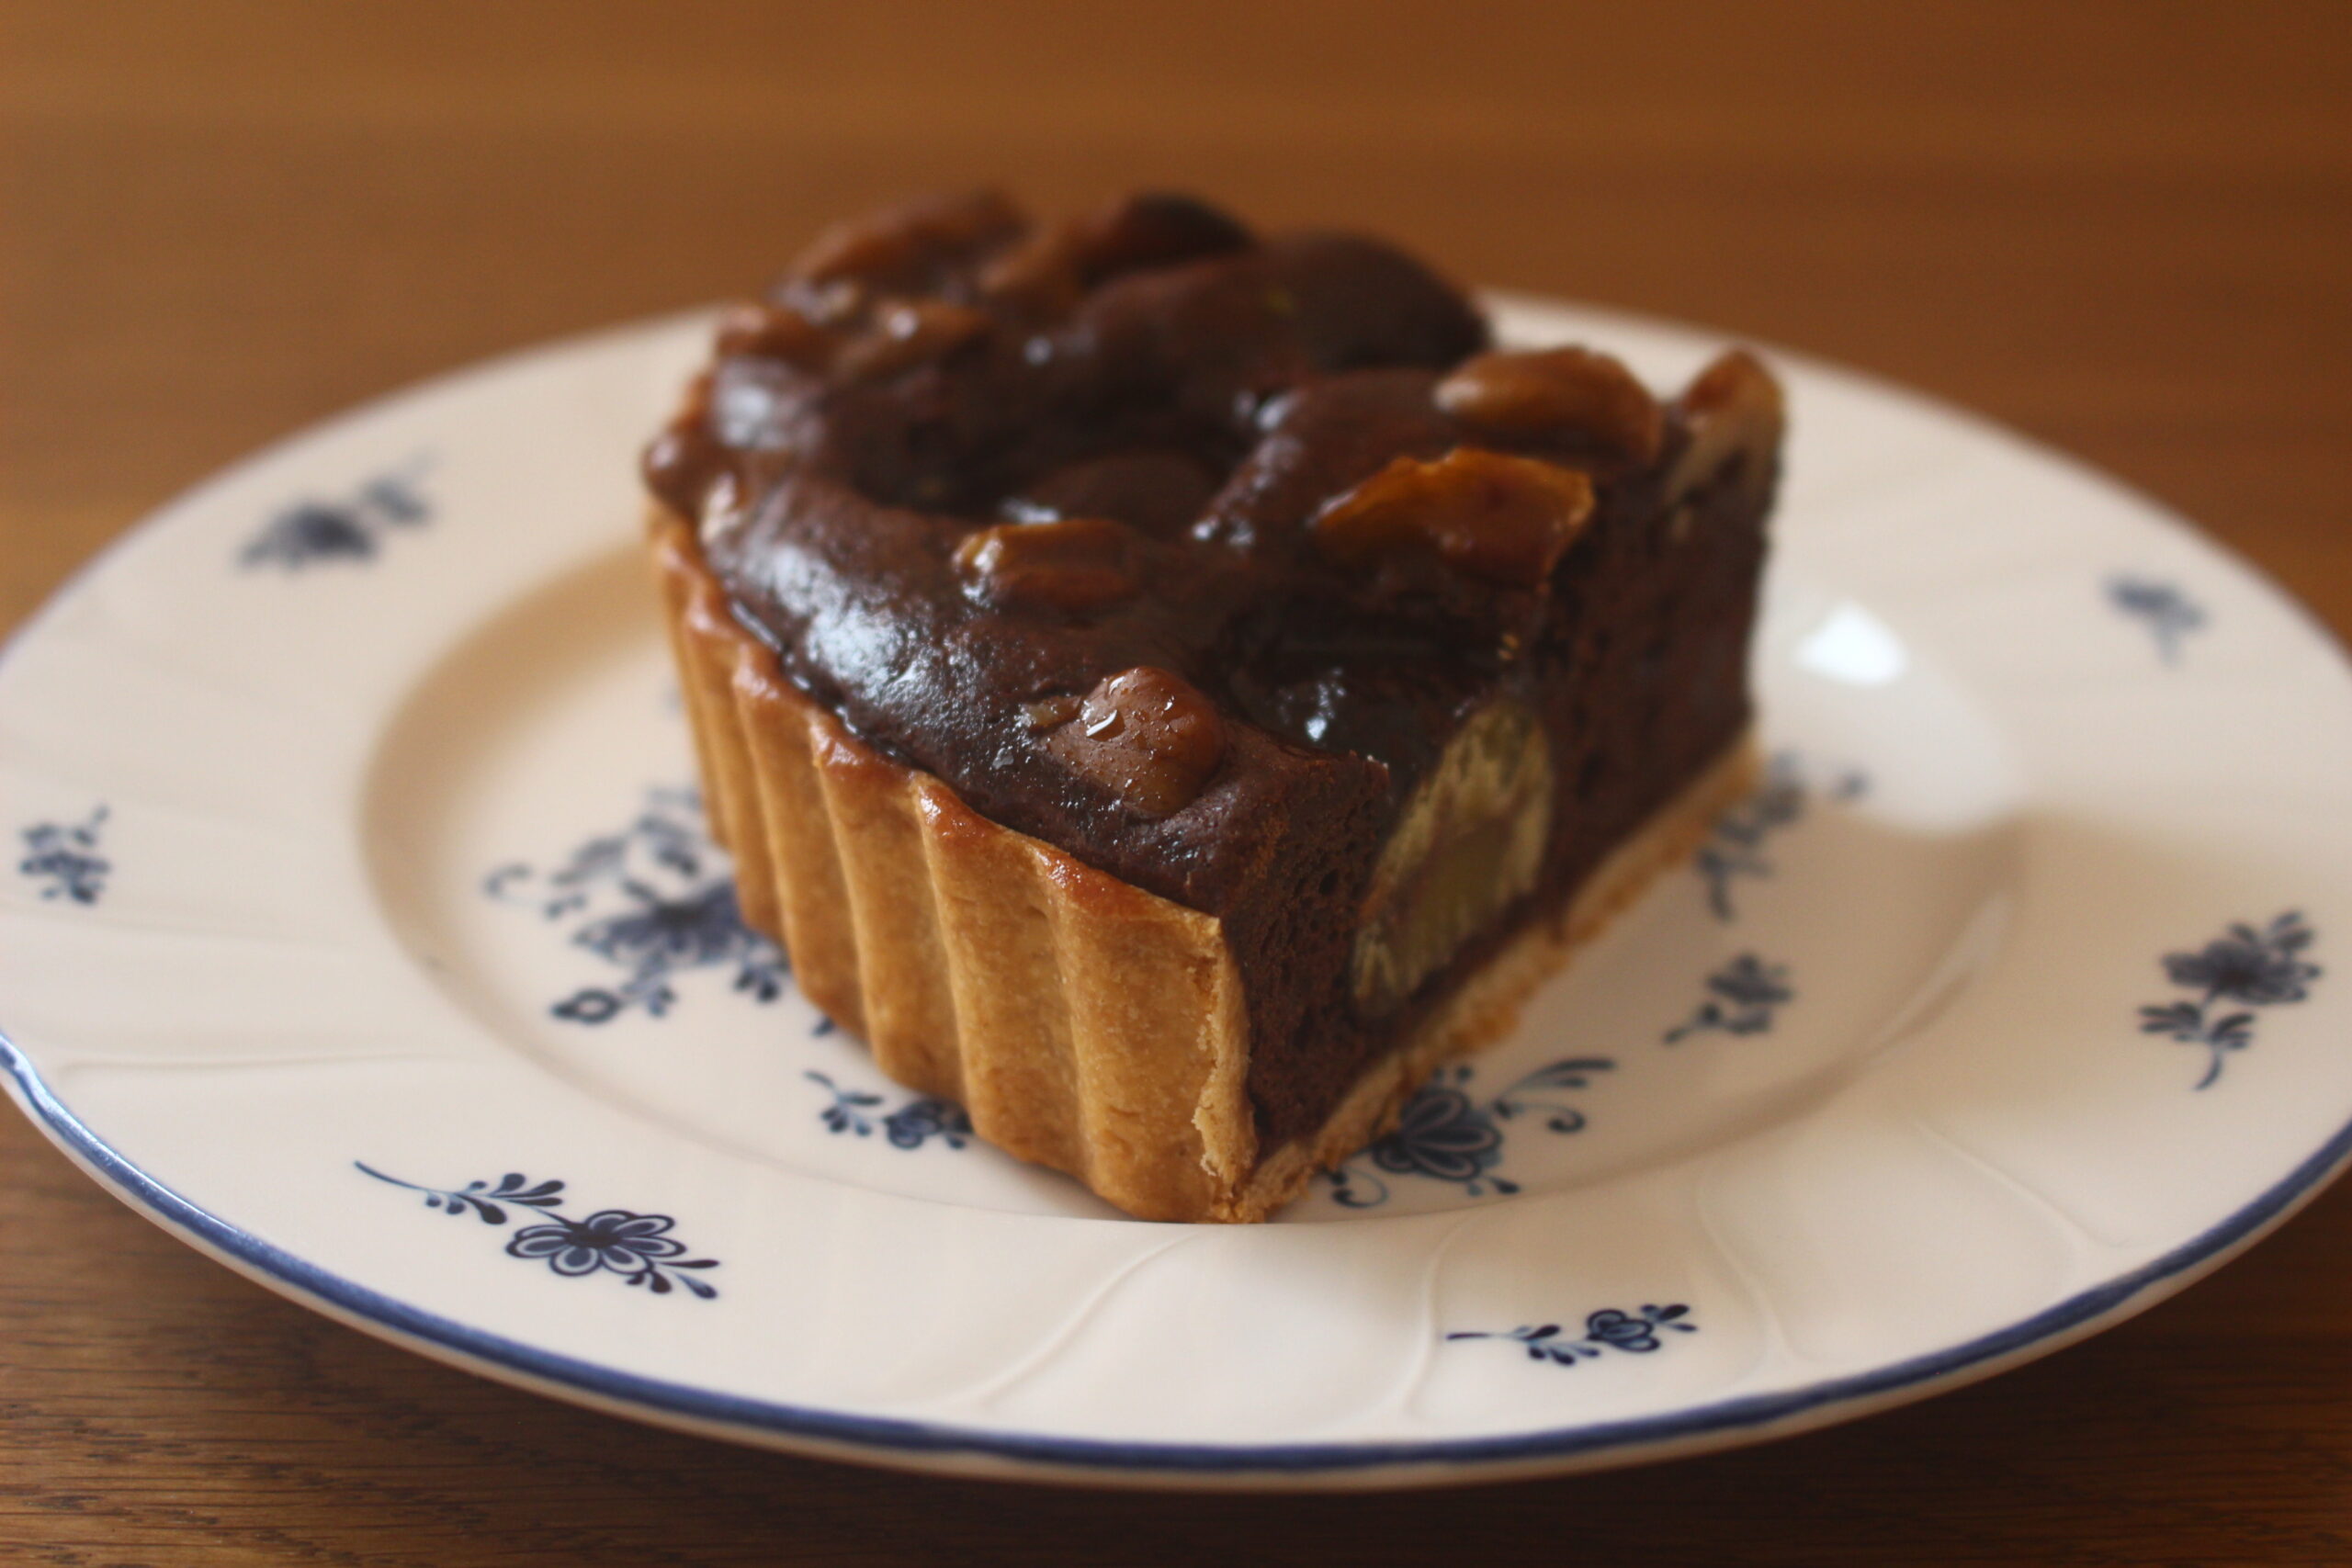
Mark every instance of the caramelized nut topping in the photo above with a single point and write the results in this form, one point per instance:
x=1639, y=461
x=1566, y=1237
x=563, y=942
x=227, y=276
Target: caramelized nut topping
x=1734, y=408
x=1501, y=520
x=1555, y=392
x=1149, y=737
x=1073, y=565
x=772, y=332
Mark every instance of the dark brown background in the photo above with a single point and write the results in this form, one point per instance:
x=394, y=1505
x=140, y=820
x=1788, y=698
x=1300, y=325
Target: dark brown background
x=2126, y=229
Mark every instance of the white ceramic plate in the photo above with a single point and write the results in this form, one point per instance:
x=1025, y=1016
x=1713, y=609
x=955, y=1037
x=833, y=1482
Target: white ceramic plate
x=363, y=934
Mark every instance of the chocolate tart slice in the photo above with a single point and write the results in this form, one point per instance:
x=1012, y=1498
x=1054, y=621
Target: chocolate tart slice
x=1167, y=689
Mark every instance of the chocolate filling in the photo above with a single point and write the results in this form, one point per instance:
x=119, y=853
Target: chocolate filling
x=1196, y=554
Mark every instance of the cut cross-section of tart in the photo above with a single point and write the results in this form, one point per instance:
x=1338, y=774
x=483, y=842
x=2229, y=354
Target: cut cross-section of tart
x=1167, y=689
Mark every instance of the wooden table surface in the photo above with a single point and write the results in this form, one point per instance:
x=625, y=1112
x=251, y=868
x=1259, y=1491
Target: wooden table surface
x=2126, y=230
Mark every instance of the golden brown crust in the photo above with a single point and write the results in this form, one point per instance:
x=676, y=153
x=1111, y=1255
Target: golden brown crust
x=1083, y=1023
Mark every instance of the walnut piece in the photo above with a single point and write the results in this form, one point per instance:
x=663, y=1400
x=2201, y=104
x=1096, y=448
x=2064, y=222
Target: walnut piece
x=1552, y=391
x=1735, y=409
x=1502, y=520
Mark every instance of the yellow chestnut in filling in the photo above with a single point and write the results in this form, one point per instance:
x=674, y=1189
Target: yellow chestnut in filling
x=1469, y=842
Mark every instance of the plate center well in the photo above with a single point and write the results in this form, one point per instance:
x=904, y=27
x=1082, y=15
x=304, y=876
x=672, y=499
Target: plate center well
x=537, y=844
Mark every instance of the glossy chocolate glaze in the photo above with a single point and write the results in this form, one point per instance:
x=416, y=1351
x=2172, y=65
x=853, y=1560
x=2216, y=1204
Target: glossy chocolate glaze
x=1048, y=511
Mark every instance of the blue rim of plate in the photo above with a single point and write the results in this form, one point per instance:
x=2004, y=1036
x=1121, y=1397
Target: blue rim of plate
x=495, y=1353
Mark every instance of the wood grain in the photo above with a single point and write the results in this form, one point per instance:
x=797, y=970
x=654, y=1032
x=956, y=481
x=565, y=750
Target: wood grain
x=2125, y=229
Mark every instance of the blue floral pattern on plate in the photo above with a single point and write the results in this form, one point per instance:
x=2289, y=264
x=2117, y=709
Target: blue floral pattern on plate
x=651, y=899
x=2254, y=967
x=1734, y=846
x=1443, y=1135
x=352, y=529
x=638, y=1247
x=1635, y=1333
x=1741, y=999
x=2169, y=614
x=913, y=1124
x=65, y=856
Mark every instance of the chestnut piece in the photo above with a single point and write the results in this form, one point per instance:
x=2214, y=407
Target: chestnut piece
x=1555, y=392
x=1734, y=409
x=1149, y=737
x=1073, y=565
x=1469, y=842
x=1504, y=521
